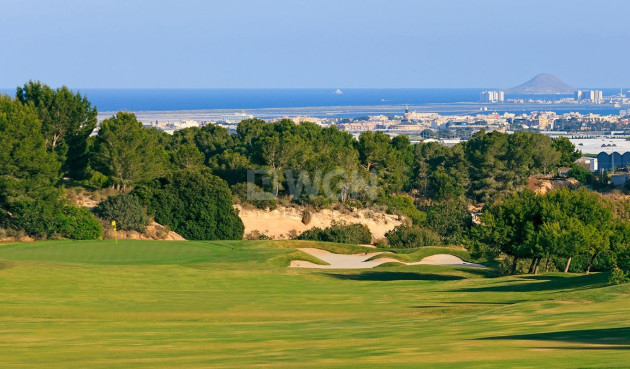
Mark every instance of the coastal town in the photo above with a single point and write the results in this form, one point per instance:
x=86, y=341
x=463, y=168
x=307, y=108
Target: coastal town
x=430, y=125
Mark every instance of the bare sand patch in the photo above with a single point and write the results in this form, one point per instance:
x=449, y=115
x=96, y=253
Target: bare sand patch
x=361, y=261
x=283, y=221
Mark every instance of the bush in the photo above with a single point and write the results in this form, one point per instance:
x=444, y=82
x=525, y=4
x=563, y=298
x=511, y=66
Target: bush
x=617, y=276
x=256, y=235
x=35, y=217
x=404, y=205
x=78, y=223
x=126, y=210
x=411, y=237
x=581, y=174
x=193, y=203
x=339, y=232
x=306, y=217
x=45, y=219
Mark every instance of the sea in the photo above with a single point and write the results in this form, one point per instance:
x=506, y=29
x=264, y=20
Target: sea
x=422, y=99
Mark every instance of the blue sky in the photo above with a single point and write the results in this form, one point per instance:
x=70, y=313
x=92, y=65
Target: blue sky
x=239, y=44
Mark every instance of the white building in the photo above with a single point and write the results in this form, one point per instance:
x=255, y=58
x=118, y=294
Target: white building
x=596, y=96
x=236, y=118
x=492, y=96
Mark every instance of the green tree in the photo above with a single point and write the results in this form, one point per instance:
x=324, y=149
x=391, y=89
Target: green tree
x=67, y=120
x=194, y=203
x=585, y=215
x=127, y=153
x=373, y=149
x=568, y=153
x=512, y=225
x=450, y=218
x=28, y=170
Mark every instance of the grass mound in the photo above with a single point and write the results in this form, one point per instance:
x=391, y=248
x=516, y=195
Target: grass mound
x=415, y=255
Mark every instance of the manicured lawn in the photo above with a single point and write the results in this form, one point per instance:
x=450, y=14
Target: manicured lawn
x=234, y=304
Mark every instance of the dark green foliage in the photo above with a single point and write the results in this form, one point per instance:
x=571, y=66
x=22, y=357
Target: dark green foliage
x=568, y=153
x=501, y=162
x=126, y=210
x=193, y=203
x=28, y=172
x=127, y=153
x=583, y=175
x=36, y=217
x=67, y=120
x=339, y=232
x=449, y=218
x=618, y=276
x=563, y=224
x=47, y=218
x=78, y=223
x=404, y=205
x=404, y=237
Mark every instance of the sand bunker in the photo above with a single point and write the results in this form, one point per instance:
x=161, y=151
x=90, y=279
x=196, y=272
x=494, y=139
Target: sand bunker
x=360, y=261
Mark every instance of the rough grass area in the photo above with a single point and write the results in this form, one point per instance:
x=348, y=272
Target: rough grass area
x=233, y=304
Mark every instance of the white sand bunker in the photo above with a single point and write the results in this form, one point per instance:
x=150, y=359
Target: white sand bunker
x=360, y=261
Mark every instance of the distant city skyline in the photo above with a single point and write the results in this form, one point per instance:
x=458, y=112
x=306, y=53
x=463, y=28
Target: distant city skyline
x=323, y=44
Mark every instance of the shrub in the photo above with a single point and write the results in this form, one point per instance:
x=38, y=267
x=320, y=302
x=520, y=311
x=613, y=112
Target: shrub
x=256, y=235
x=381, y=242
x=339, y=232
x=617, y=276
x=193, y=203
x=411, y=237
x=306, y=217
x=404, y=205
x=44, y=219
x=78, y=223
x=582, y=175
x=126, y=210
x=36, y=217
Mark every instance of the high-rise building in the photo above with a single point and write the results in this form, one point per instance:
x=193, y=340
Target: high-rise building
x=492, y=96
x=596, y=96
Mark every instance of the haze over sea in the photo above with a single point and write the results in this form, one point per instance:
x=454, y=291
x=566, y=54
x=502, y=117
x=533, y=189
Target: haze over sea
x=110, y=100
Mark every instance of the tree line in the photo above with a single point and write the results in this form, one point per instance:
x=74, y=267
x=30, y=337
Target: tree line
x=556, y=230
x=188, y=180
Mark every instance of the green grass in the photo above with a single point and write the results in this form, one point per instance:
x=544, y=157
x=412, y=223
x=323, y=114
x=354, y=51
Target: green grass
x=234, y=304
x=417, y=254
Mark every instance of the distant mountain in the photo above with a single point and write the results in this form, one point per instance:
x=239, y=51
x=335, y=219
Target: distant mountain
x=543, y=83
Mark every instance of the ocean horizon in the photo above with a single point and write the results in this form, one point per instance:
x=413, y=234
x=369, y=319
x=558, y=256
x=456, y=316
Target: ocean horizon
x=173, y=99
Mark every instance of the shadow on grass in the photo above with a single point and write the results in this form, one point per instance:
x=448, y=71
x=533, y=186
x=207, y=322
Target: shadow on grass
x=483, y=272
x=545, y=283
x=459, y=303
x=394, y=276
x=608, y=336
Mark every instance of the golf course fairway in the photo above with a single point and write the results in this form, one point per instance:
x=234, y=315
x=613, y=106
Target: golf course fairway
x=236, y=304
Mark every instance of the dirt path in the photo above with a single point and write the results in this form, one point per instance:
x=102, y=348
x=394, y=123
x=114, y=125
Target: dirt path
x=360, y=261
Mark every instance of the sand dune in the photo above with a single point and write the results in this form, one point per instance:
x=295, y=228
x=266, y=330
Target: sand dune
x=281, y=222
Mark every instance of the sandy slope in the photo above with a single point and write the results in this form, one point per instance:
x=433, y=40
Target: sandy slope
x=279, y=223
x=360, y=261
